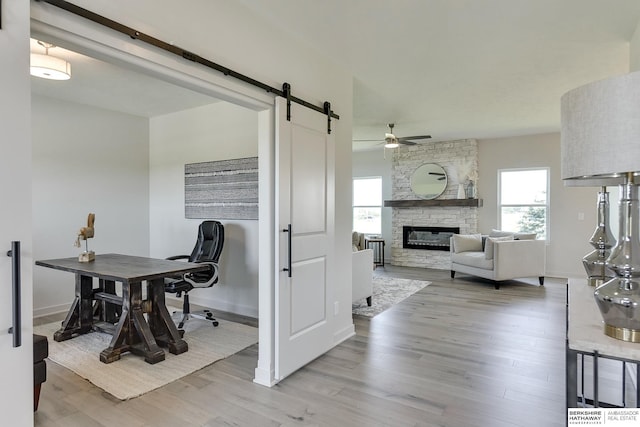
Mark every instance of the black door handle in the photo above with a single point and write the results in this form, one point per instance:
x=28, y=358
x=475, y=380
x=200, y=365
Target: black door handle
x=288, y=268
x=16, y=328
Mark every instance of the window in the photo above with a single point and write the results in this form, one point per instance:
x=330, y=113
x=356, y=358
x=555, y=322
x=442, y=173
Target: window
x=367, y=205
x=523, y=201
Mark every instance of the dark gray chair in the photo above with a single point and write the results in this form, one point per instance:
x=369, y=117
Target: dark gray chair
x=40, y=352
x=206, y=251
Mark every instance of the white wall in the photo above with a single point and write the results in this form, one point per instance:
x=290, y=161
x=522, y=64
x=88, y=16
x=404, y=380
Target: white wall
x=373, y=163
x=215, y=132
x=85, y=160
x=634, y=50
x=568, y=236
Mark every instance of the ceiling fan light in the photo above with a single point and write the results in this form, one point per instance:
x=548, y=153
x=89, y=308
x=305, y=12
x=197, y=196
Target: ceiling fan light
x=49, y=67
x=390, y=141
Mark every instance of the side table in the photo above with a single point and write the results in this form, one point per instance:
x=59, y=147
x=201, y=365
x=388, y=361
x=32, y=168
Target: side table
x=586, y=338
x=378, y=250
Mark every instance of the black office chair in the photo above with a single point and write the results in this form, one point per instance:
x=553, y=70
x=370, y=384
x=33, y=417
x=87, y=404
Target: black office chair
x=206, y=251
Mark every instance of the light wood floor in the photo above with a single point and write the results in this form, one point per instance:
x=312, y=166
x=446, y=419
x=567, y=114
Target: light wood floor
x=458, y=353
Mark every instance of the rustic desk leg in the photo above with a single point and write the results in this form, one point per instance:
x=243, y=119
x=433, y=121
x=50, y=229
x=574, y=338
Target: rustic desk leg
x=151, y=352
x=132, y=332
x=80, y=316
x=160, y=321
x=117, y=346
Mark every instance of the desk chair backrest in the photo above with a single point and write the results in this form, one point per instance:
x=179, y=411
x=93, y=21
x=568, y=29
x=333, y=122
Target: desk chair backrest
x=210, y=242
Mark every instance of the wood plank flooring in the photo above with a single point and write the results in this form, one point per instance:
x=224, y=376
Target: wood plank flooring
x=458, y=353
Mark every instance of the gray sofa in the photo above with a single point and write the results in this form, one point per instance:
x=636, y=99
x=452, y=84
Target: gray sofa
x=498, y=257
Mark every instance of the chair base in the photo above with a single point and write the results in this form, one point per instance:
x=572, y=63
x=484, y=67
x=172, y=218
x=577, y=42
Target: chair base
x=202, y=314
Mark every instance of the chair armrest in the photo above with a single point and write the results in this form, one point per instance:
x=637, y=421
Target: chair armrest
x=176, y=257
x=196, y=279
x=519, y=258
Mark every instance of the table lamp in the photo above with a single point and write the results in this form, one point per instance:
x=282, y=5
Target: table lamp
x=600, y=145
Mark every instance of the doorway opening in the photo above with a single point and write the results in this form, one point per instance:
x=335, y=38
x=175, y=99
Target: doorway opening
x=129, y=169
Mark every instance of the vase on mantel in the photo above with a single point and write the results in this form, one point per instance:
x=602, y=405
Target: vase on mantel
x=471, y=190
x=461, y=192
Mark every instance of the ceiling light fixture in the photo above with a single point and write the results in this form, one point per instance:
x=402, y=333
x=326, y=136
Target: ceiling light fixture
x=49, y=67
x=390, y=141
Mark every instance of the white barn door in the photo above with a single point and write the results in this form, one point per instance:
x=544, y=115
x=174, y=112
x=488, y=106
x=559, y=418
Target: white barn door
x=16, y=362
x=305, y=193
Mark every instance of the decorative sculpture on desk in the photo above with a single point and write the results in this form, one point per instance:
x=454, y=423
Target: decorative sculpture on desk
x=85, y=233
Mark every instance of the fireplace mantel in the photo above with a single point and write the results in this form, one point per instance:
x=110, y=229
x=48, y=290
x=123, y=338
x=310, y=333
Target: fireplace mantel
x=477, y=203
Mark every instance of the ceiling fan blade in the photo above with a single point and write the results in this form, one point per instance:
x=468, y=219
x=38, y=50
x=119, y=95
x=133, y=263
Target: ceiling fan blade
x=413, y=138
x=406, y=142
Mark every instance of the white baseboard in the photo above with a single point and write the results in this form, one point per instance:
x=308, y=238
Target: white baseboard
x=265, y=377
x=344, y=334
x=213, y=304
x=48, y=311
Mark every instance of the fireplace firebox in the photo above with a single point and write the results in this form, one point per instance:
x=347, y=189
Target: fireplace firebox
x=429, y=238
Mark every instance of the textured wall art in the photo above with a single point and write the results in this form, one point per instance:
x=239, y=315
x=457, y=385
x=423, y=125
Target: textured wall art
x=225, y=189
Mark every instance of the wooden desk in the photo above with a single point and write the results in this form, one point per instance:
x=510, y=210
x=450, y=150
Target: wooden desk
x=123, y=317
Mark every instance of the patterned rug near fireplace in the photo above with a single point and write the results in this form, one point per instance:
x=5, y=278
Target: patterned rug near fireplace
x=388, y=291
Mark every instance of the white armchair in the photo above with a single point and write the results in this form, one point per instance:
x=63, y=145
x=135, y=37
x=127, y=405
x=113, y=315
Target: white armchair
x=361, y=269
x=362, y=275
x=502, y=258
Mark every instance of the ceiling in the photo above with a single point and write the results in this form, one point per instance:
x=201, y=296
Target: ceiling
x=100, y=84
x=450, y=68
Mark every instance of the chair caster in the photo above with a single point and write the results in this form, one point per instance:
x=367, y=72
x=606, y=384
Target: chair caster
x=215, y=323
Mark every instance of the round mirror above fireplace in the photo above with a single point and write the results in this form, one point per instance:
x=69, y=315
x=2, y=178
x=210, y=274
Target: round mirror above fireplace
x=429, y=181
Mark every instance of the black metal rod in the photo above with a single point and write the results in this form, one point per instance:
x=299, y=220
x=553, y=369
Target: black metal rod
x=582, y=395
x=16, y=328
x=596, y=402
x=137, y=35
x=288, y=231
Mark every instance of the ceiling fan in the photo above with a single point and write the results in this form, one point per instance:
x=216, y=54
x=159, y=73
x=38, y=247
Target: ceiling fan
x=392, y=141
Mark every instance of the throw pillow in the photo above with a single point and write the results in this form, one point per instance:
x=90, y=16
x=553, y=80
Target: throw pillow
x=488, y=247
x=355, y=239
x=500, y=233
x=467, y=243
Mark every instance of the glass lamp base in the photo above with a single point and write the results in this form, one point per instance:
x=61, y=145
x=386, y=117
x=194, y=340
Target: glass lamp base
x=619, y=303
x=624, y=334
x=597, y=281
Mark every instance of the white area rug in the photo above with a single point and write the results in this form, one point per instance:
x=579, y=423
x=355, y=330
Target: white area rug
x=388, y=291
x=131, y=376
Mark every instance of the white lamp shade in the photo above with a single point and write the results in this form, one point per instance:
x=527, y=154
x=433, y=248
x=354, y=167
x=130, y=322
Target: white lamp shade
x=600, y=130
x=50, y=67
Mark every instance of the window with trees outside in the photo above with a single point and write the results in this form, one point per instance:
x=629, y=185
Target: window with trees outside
x=523, y=201
x=367, y=205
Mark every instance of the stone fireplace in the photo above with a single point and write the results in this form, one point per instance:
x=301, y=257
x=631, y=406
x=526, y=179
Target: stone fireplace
x=443, y=212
